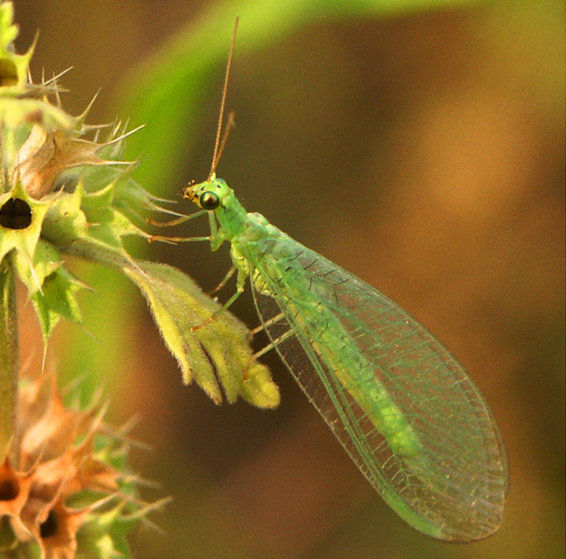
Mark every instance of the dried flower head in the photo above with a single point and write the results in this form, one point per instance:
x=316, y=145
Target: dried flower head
x=65, y=486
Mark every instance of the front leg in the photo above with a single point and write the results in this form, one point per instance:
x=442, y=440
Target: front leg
x=217, y=236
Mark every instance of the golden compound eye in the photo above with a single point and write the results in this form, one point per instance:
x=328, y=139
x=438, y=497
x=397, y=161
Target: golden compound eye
x=209, y=201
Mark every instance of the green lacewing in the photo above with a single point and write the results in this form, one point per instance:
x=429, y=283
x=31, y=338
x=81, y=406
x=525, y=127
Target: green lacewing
x=399, y=403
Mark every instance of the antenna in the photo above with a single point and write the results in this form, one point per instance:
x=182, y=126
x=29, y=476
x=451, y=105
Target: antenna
x=218, y=145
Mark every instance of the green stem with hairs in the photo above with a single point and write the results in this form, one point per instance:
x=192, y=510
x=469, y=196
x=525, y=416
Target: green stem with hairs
x=8, y=358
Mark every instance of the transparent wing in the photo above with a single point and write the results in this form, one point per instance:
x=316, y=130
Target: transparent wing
x=399, y=403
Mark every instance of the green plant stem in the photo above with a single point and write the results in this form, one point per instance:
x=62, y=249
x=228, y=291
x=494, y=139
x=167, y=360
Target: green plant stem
x=8, y=358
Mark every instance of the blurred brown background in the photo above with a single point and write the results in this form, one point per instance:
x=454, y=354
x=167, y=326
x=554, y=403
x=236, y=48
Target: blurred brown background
x=424, y=153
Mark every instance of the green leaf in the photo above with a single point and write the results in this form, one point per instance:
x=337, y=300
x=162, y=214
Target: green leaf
x=57, y=300
x=259, y=389
x=59, y=289
x=46, y=260
x=172, y=300
x=221, y=348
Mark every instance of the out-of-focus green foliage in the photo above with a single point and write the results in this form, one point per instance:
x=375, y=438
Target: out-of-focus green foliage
x=167, y=92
